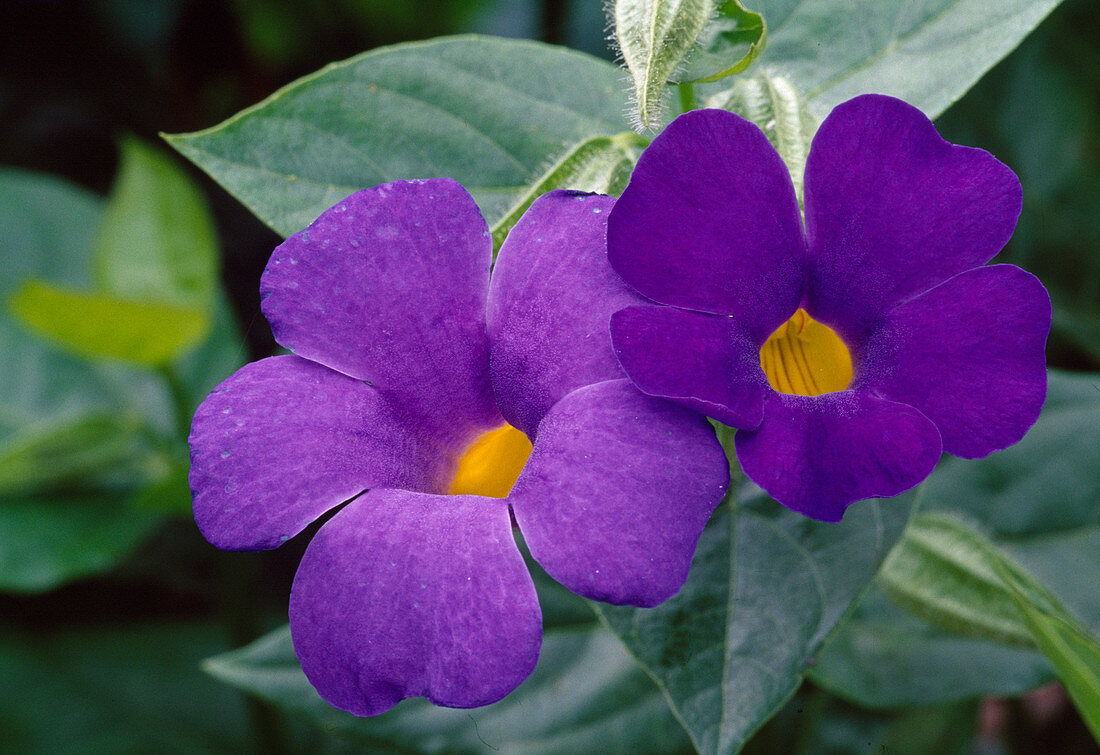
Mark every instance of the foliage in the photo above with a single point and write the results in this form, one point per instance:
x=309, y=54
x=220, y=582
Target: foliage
x=790, y=635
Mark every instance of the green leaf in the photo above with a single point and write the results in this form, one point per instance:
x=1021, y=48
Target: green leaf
x=92, y=450
x=102, y=326
x=729, y=44
x=156, y=241
x=1037, y=499
x=45, y=543
x=79, y=441
x=928, y=54
x=46, y=228
x=490, y=113
x=947, y=573
x=773, y=104
x=766, y=588
x=1075, y=655
x=981, y=588
x=586, y=695
x=601, y=164
x=1037, y=502
x=117, y=688
x=654, y=37
x=885, y=657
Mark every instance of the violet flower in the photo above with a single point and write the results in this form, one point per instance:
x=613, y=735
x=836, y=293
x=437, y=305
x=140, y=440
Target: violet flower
x=851, y=355
x=419, y=381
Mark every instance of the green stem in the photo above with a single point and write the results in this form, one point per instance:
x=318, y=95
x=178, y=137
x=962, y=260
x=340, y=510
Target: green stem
x=238, y=575
x=687, y=96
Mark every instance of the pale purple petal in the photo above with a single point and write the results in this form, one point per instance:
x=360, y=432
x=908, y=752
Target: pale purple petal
x=617, y=491
x=406, y=594
x=817, y=454
x=705, y=362
x=549, y=302
x=709, y=222
x=892, y=210
x=389, y=286
x=969, y=354
x=284, y=440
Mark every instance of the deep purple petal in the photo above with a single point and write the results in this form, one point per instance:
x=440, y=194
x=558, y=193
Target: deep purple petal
x=969, y=354
x=284, y=440
x=817, y=454
x=389, y=286
x=705, y=362
x=892, y=210
x=406, y=594
x=709, y=222
x=617, y=491
x=549, y=302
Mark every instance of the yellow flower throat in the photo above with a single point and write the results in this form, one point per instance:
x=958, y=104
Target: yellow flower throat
x=806, y=358
x=491, y=464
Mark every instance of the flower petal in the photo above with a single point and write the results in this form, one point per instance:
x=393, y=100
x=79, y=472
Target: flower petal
x=817, y=454
x=892, y=210
x=389, y=286
x=405, y=594
x=617, y=491
x=703, y=361
x=709, y=222
x=284, y=440
x=969, y=354
x=549, y=302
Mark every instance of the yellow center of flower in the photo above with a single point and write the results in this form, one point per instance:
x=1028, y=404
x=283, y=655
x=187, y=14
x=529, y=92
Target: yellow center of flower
x=805, y=358
x=491, y=464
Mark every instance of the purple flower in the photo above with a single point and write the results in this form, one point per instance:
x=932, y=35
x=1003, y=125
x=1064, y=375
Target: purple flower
x=419, y=381
x=851, y=354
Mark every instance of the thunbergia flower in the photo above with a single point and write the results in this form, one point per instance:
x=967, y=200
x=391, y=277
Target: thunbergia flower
x=850, y=354
x=416, y=389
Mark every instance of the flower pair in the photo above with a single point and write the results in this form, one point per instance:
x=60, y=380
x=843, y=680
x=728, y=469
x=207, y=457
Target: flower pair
x=438, y=402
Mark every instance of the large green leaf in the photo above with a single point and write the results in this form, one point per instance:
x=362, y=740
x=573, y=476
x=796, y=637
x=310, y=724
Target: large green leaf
x=885, y=657
x=490, y=113
x=1037, y=500
x=156, y=241
x=46, y=542
x=928, y=54
x=586, y=695
x=949, y=573
x=766, y=589
x=116, y=689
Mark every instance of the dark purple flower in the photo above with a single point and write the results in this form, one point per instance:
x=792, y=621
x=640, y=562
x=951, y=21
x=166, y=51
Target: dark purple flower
x=849, y=355
x=418, y=380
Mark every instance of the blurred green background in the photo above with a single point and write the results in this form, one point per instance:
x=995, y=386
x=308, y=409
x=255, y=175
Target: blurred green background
x=109, y=598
